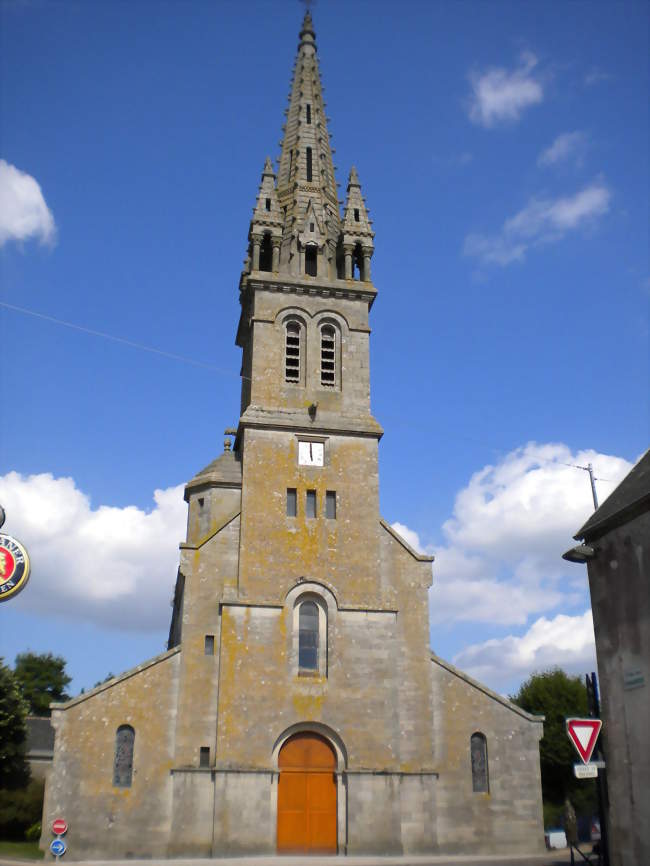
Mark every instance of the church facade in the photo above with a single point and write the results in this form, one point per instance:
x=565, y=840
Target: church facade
x=298, y=707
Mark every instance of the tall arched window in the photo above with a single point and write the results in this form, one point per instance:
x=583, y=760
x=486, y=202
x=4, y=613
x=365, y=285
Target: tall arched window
x=308, y=636
x=293, y=338
x=266, y=252
x=123, y=763
x=328, y=356
x=311, y=260
x=480, y=775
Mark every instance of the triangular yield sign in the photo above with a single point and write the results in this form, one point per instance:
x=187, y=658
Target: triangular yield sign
x=583, y=734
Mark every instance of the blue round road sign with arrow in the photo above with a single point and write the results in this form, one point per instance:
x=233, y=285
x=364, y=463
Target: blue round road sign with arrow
x=57, y=847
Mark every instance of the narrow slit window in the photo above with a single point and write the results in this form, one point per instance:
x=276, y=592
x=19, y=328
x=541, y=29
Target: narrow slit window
x=267, y=204
x=290, y=162
x=266, y=253
x=292, y=352
x=204, y=756
x=330, y=504
x=328, y=356
x=310, y=503
x=292, y=502
x=356, y=214
x=309, y=169
x=208, y=646
x=308, y=113
x=480, y=774
x=308, y=636
x=123, y=763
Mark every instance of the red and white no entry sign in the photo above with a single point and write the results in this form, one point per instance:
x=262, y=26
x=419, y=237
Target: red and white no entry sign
x=583, y=733
x=59, y=826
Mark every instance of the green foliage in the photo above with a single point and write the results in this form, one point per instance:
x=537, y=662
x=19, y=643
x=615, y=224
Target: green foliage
x=557, y=696
x=42, y=679
x=33, y=833
x=105, y=680
x=20, y=809
x=14, y=769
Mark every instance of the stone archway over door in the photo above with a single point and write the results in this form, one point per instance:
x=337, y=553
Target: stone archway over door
x=307, y=796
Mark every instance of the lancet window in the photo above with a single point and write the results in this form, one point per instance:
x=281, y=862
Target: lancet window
x=123, y=763
x=308, y=636
x=480, y=775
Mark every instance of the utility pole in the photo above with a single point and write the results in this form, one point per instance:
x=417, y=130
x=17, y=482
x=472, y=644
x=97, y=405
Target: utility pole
x=590, y=469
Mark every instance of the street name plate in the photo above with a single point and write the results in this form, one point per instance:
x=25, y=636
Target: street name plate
x=585, y=771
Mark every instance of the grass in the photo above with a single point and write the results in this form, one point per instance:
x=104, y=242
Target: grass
x=21, y=850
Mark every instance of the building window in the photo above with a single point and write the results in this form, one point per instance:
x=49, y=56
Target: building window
x=292, y=501
x=328, y=356
x=478, y=750
x=123, y=764
x=330, y=504
x=208, y=647
x=308, y=636
x=266, y=253
x=292, y=351
x=204, y=756
x=311, y=260
x=356, y=214
x=308, y=113
x=310, y=504
x=309, y=172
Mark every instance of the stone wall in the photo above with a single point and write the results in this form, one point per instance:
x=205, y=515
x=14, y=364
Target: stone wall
x=508, y=818
x=619, y=578
x=103, y=819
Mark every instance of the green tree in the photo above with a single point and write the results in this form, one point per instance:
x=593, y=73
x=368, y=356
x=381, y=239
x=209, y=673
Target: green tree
x=557, y=696
x=42, y=679
x=14, y=769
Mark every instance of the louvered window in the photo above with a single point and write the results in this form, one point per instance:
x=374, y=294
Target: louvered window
x=328, y=356
x=292, y=352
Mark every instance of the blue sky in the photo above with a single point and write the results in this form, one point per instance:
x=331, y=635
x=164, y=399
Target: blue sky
x=503, y=152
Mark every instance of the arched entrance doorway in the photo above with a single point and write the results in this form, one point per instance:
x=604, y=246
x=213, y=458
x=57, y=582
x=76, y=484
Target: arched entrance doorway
x=307, y=796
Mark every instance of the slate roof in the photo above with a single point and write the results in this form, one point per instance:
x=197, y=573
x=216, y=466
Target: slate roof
x=40, y=735
x=631, y=497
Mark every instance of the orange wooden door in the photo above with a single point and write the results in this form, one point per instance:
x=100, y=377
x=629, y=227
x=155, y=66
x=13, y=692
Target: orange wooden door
x=307, y=796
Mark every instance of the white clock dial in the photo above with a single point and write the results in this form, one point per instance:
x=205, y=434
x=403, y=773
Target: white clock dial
x=310, y=453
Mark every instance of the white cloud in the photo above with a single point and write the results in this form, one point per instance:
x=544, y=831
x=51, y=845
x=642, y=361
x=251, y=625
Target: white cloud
x=564, y=641
x=542, y=221
x=112, y=566
x=501, y=562
x=23, y=211
x=595, y=76
x=567, y=145
x=501, y=95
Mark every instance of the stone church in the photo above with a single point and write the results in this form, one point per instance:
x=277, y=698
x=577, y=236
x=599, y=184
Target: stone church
x=298, y=707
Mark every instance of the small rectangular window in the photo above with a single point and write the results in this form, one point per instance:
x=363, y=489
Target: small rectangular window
x=330, y=504
x=356, y=214
x=310, y=504
x=209, y=645
x=309, y=170
x=267, y=204
x=308, y=113
x=204, y=756
x=292, y=501
x=312, y=227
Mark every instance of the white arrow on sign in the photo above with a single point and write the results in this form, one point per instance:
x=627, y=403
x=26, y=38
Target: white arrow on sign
x=583, y=733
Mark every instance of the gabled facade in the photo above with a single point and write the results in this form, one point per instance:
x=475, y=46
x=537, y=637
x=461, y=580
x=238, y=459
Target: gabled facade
x=298, y=707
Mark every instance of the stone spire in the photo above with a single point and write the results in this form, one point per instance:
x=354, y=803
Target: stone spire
x=307, y=191
x=358, y=235
x=265, y=233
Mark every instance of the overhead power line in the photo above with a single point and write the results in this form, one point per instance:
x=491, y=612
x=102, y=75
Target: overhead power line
x=122, y=340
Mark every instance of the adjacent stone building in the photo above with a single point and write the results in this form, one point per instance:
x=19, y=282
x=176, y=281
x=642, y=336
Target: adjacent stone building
x=616, y=548
x=298, y=707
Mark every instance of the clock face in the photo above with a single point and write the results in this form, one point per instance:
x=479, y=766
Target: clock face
x=310, y=453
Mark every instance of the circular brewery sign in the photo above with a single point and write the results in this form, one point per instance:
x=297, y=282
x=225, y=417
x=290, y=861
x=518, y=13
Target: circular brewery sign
x=14, y=567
